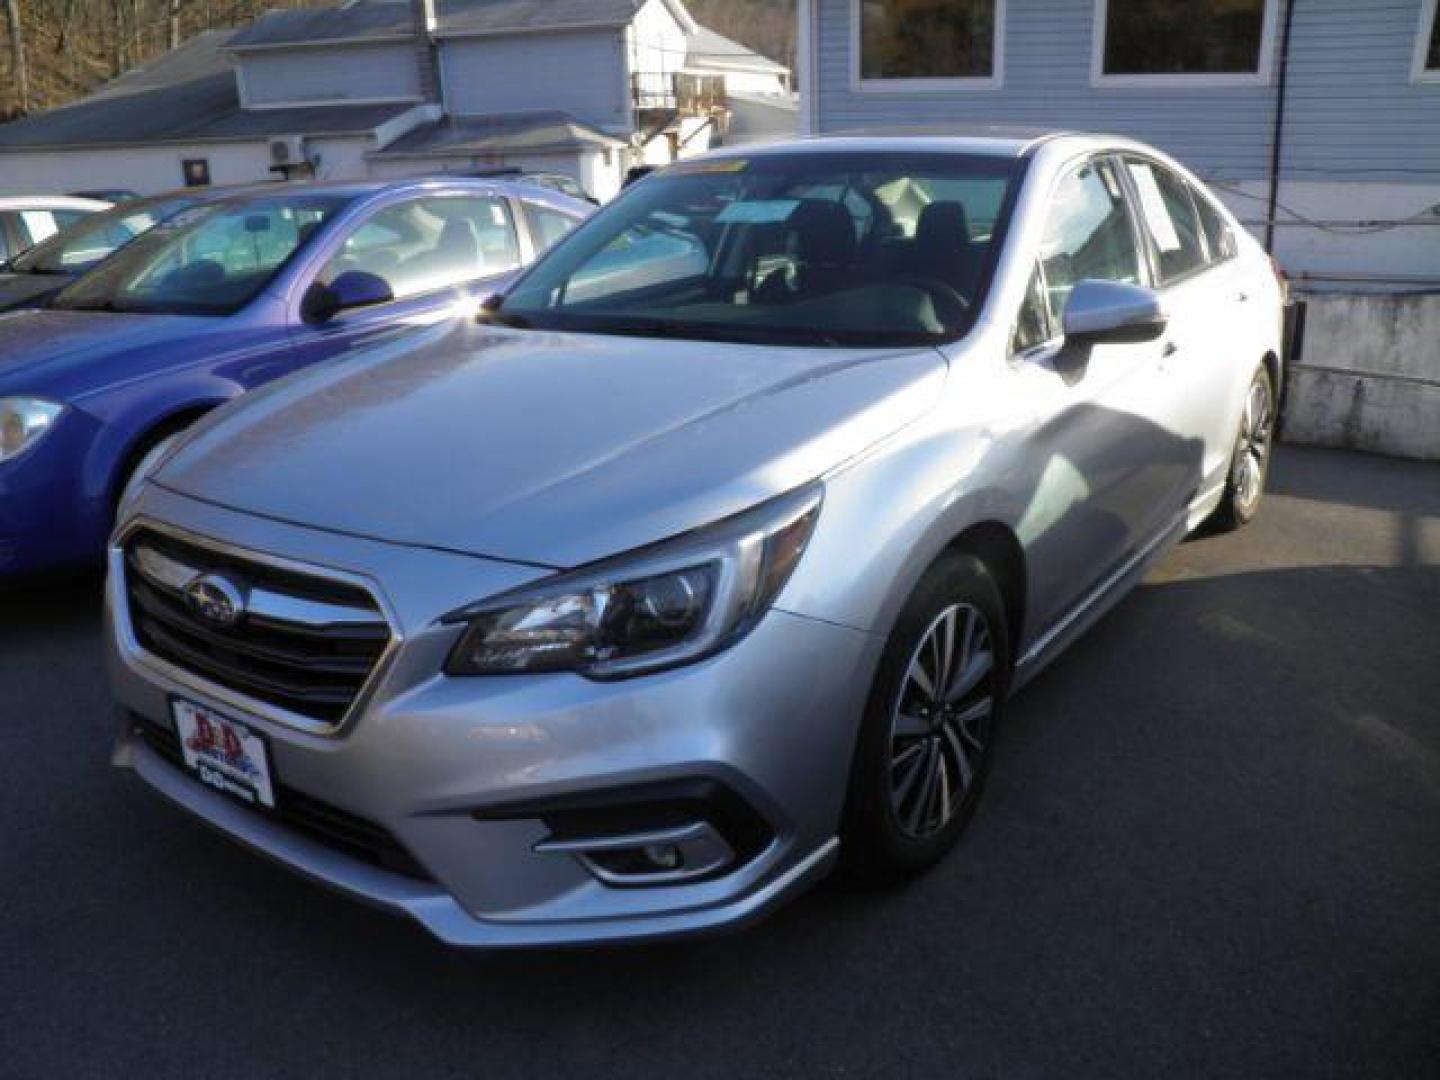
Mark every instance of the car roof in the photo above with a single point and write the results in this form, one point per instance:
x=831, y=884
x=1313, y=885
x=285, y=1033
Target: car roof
x=50, y=202
x=1002, y=141
x=362, y=189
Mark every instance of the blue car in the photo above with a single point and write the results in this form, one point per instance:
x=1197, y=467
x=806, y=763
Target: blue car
x=217, y=300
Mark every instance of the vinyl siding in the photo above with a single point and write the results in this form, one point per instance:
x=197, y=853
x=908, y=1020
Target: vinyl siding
x=1352, y=110
x=388, y=72
x=582, y=73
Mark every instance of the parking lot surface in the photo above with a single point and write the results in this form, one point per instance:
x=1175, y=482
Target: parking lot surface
x=1210, y=847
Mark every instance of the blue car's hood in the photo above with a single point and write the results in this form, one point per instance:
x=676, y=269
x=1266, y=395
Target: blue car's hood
x=56, y=353
x=547, y=448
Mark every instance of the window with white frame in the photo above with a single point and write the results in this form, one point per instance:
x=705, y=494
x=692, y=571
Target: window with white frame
x=1218, y=40
x=927, y=39
x=1427, y=48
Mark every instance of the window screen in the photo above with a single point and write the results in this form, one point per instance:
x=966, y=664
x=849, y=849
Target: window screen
x=1163, y=37
x=927, y=39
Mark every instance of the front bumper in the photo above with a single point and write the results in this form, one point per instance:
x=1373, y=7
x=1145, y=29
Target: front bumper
x=465, y=774
x=49, y=519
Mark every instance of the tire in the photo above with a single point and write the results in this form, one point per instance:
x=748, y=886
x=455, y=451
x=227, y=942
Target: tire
x=919, y=769
x=1250, y=456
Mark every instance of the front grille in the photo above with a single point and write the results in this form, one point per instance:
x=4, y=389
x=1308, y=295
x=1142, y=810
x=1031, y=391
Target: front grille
x=305, y=644
x=338, y=829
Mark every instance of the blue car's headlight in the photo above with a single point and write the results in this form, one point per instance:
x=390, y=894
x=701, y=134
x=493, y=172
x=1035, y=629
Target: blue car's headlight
x=658, y=607
x=24, y=422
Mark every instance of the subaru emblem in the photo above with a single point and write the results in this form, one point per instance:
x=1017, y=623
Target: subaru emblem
x=215, y=599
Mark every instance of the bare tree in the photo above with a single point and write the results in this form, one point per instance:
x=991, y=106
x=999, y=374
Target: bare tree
x=19, y=73
x=172, y=25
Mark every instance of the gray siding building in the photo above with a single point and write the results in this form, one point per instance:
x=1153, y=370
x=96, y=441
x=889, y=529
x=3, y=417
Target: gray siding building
x=1337, y=100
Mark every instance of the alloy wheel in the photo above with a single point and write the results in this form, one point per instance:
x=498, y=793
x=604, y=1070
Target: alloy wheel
x=940, y=725
x=1253, y=452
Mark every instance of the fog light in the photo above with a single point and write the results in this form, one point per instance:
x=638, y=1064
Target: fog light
x=664, y=856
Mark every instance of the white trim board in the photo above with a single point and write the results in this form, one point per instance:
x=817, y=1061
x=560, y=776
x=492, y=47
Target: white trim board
x=1419, y=73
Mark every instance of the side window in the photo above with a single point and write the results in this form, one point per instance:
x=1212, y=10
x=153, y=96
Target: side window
x=1218, y=236
x=428, y=244
x=1171, y=218
x=1033, y=327
x=37, y=225
x=7, y=246
x=1088, y=234
x=548, y=226
x=65, y=218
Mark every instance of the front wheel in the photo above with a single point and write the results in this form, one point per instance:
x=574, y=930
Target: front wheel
x=1250, y=458
x=930, y=722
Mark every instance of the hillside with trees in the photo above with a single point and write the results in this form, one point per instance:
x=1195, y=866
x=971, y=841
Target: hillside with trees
x=767, y=26
x=54, y=51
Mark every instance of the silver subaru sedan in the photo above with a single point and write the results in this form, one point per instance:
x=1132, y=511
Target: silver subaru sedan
x=707, y=558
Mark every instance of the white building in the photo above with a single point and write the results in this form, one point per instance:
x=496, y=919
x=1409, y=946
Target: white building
x=397, y=87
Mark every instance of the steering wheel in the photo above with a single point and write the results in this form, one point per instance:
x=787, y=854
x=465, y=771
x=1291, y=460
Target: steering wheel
x=945, y=295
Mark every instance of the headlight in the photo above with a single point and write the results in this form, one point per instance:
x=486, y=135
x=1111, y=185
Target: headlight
x=661, y=606
x=23, y=422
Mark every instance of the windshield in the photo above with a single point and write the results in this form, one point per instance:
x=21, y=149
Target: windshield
x=208, y=260
x=83, y=245
x=829, y=248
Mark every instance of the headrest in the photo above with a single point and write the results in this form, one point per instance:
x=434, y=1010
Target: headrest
x=943, y=228
x=824, y=233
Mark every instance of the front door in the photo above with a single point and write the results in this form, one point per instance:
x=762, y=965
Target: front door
x=439, y=255
x=1106, y=472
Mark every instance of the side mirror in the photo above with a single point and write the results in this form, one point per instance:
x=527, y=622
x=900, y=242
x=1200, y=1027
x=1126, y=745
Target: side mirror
x=352, y=289
x=1112, y=311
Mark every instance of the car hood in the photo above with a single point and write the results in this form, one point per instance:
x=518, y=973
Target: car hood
x=54, y=352
x=16, y=289
x=546, y=448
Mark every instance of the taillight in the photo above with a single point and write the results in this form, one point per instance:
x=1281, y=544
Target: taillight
x=1280, y=279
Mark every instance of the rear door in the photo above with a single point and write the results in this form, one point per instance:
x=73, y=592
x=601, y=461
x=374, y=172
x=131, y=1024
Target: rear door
x=439, y=254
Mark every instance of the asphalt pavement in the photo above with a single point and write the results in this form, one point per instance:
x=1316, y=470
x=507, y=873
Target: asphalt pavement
x=1210, y=847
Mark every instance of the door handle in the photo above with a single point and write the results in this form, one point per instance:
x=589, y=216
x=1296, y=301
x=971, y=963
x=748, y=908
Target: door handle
x=1169, y=350
x=1242, y=296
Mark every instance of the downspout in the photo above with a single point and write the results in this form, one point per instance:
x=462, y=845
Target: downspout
x=425, y=24
x=1277, y=134
x=806, y=75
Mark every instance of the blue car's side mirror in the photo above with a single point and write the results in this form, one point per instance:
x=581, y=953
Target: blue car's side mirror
x=352, y=289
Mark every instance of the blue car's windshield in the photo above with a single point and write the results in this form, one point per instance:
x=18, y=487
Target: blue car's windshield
x=208, y=260
x=95, y=236
x=824, y=248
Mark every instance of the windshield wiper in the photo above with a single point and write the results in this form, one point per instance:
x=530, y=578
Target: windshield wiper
x=98, y=305
x=504, y=318
x=740, y=333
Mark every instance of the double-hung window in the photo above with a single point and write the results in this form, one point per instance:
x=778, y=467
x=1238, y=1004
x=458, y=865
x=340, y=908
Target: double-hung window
x=906, y=44
x=1427, y=44
x=1165, y=42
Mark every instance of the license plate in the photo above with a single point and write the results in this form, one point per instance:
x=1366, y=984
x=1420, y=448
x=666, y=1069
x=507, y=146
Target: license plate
x=224, y=753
